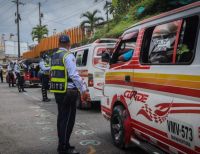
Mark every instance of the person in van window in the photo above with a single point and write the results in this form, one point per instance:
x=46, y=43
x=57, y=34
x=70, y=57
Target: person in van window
x=126, y=56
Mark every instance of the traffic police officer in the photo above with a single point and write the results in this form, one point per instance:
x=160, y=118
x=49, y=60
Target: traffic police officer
x=44, y=76
x=19, y=71
x=66, y=85
x=10, y=69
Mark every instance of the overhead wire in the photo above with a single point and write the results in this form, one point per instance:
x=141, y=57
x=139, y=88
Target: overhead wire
x=55, y=9
x=3, y=5
x=74, y=14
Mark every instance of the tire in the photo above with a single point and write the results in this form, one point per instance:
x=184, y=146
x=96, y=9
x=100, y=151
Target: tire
x=117, y=127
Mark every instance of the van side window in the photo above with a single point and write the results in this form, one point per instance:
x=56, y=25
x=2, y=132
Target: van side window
x=125, y=50
x=159, y=47
x=81, y=58
x=187, y=40
x=162, y=43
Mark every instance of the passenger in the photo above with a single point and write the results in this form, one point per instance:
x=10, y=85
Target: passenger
x=126, y=56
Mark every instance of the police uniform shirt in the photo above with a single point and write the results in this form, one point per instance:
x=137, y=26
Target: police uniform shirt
x=9, y=68
x=43, y=67
x=16, y=68
x=70, y=64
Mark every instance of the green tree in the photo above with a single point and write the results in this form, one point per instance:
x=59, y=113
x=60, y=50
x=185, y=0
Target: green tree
x=91, y=20
x=39, y=32
x=109, y=8
x=121, y=7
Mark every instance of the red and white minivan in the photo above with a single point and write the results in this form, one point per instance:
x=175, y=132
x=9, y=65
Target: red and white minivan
x=153, y=99
x=91, y=68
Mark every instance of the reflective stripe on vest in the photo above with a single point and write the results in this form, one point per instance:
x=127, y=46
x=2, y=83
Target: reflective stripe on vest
x=58, y=74
x=21, y=71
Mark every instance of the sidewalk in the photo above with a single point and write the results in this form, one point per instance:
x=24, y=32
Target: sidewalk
x=25, y=128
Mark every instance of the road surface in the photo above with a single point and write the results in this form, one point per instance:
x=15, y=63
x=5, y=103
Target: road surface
x=28, y=126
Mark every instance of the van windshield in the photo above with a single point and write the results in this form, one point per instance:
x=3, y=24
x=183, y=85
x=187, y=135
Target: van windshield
x=125, y=50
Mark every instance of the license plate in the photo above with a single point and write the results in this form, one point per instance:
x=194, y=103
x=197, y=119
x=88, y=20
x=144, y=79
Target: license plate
x=180, y=132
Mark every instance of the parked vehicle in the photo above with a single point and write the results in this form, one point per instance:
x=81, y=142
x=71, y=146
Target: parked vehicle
x=31, y=72
x=153, y=99
x=91, y=68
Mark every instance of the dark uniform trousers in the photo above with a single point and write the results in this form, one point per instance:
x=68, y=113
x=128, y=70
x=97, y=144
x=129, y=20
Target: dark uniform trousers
x=45, y=85
x=10, y=79
x=66, y=115
x=20, y=83
x=1, y=76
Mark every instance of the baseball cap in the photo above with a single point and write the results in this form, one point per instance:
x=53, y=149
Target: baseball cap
x=64, y=39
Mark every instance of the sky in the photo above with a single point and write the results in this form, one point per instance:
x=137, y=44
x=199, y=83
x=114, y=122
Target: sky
x=58, y=14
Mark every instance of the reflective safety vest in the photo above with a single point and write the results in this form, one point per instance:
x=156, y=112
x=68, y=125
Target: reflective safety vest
x=21, y=71
x=58, y=73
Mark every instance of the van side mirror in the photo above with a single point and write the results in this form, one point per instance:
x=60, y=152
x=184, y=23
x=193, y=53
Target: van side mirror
x=105, y=57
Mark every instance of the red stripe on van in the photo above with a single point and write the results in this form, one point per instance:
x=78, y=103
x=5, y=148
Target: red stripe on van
x=164, y=134
x=163, y=139
x=197, y=149
x=105, y=109
x=177, y=40
x=163, y=146
x=185, y=111
x=169, y=89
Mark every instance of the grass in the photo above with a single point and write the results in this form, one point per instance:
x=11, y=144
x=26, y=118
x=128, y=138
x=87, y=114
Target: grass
x=152, y=7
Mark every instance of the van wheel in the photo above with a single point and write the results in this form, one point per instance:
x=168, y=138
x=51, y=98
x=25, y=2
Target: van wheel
x=117, y=127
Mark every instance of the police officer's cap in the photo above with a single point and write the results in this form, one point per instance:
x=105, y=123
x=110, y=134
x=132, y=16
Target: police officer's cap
x=64, y=39
x=44, y=56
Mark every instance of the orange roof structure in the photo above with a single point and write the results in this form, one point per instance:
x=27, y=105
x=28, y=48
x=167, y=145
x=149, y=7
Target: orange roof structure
x=46, y=44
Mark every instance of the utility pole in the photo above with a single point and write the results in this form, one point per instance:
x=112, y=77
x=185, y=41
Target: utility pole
x=40, y=14
x=18, y=18
x=107, y=17
x=40, y=21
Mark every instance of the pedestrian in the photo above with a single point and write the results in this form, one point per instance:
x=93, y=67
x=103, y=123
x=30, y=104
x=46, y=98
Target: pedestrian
x=10, y=71
x=66, y=84
x=19, y=72
x=1, y=73
x=44, y=76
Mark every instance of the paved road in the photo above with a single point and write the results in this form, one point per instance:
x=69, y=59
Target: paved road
x=28, y=126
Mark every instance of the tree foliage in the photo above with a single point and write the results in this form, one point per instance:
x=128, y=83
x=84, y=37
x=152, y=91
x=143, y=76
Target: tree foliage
x=109, y=8
x=91, y=20
x=39, y=32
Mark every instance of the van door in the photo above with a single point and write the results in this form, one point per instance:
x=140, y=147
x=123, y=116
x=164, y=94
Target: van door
x=119, y=77
x=168, y=88
x=98, y=68
x=81, y=63
x=151, y=101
